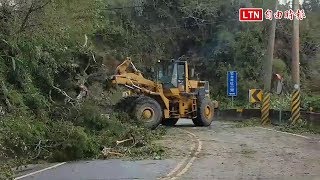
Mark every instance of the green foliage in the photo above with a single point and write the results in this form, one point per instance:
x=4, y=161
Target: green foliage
x=18, y=133
x=281, y=102
x=27, y=139
x=226, y=103
x=311, y=102
x=299, y=128
x=6, y=172
x=303, y=127
x=248, y=123
x=16, y=98
x=279, y=67
x=90, y=117
x=72, y=142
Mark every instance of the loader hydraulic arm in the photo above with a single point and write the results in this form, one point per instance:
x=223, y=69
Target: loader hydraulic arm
x=134, y=79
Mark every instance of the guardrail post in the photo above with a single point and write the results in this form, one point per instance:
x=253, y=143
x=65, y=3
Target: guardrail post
x=265, y=109
x=295, y=107
x=280, y=116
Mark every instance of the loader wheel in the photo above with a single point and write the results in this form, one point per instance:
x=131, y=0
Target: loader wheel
x=205, y=114
x=148, y=111
x=169, y=122
x=126, y=104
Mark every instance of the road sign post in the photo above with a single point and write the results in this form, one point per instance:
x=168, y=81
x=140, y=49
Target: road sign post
x=295, y=105
x=265, y=120
x=232, y=86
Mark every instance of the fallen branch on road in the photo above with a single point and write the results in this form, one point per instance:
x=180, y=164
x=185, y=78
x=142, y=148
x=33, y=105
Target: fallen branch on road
x=126, y=140
x=107, y=151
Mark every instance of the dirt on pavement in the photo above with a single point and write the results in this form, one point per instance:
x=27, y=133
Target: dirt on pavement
x=246, y=153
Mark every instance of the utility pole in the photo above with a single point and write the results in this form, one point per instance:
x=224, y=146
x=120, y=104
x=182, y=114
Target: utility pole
x=295, y=47
x=295, y=68
x=267, y=67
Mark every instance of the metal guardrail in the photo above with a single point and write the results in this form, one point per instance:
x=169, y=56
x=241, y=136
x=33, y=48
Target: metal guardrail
x=276, y=116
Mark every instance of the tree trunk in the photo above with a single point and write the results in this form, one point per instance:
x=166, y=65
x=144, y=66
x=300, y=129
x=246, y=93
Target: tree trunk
x=267, y=66
x=295, y=48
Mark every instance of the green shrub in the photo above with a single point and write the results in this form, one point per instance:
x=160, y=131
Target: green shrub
x=89, y=116
x=279, y=66
x=16, y=98
x=6, y=172
x=25, y=139
x=300, y=128
x=71, y=142
x=311, y=102
x=282, y=102
x=19, y=135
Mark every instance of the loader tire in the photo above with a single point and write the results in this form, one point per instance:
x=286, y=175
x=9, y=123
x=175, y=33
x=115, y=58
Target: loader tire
x=169, y=122
x=148, y=111
x=205, y=113
x=126, y=104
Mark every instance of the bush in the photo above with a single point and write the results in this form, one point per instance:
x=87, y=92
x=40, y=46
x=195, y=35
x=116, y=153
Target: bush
x=282, y=102
x=6, y=171
x=300, y=128
x=311, y=102
x=27, y=139
x=279, y=66
x=90, y=117
x=19, y=135
x=70, y=142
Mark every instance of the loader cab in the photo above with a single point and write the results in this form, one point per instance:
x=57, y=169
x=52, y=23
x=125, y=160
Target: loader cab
x=173, y=74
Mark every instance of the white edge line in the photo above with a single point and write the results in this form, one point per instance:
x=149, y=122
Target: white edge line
x=36, y=172
x=298, y=135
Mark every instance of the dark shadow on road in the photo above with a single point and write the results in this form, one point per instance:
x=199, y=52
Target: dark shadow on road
x=185, y=125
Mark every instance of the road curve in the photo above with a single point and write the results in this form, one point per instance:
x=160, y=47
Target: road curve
x=220, y=151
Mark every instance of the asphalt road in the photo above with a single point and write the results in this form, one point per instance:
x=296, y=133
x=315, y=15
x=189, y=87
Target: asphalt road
x=254, y=153
x=220, y=151
x=101, y=170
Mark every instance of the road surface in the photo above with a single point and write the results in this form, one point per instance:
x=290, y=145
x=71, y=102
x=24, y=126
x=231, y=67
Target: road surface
x=220, y=151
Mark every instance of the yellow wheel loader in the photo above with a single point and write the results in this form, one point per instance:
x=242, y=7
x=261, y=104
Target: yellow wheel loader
x=172, y=96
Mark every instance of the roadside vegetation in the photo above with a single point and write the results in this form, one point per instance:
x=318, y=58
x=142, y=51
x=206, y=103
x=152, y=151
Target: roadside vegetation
x=85, y=134
x=301, y=128
x=248, y=123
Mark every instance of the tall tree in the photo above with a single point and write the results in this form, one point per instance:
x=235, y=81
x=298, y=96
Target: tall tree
x=295, y=47
x=269, y=56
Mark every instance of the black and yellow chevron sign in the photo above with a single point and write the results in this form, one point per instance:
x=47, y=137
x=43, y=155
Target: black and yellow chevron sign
x=255, y=95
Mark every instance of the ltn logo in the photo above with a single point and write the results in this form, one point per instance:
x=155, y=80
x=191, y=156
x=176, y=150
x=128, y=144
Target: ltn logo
x=250, y=14
x=256, y=14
